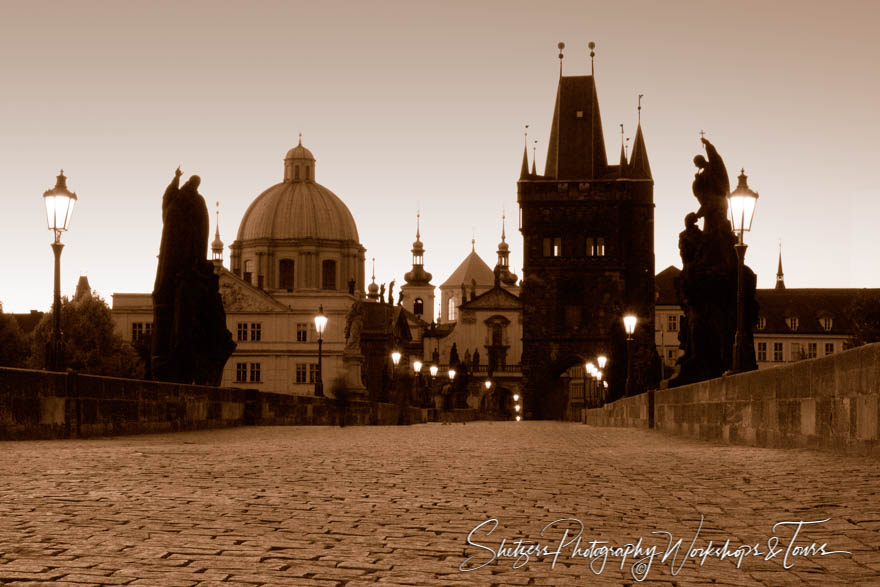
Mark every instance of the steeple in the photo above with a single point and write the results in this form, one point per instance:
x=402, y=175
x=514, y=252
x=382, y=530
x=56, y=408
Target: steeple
x=639, y=168
x=534, y=158
x=418, y=275
x=780, y=280
x=577, y=147
x=83, y=289
x=373, y=289
x=622, y=165
x=524, y=170
x=502, y=268
x=217, y=245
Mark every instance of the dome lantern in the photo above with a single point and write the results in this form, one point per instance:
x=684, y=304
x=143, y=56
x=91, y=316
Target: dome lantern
x=299, y=164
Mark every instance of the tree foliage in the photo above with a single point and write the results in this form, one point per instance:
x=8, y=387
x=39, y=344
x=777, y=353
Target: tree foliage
x=91, y=344
x=14, y=344
x=864, y=315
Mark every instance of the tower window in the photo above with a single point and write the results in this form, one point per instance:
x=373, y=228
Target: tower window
x=418, y=307
x=296, y=172
x=328, y=274
x=248, y=270
x=553, y=246
x=450, y=309
x=308, y=172
x=285, y=274
x=595, y=246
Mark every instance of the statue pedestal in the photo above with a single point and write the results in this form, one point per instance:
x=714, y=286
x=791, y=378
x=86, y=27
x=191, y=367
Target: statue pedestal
x=353, y=362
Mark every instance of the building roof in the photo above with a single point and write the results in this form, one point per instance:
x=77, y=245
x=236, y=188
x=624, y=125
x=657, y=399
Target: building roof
x=473, y=268
x=28, y=322
x=665, y=292
x=576, y=149
x=298, y=208
x=496, y=298
x=810, y=306
x=638, y=167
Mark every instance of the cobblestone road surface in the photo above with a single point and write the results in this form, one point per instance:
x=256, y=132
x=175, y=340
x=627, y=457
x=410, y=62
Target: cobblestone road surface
x=394, y=505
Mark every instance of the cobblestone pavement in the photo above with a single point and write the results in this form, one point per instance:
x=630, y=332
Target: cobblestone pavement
x=394, y=505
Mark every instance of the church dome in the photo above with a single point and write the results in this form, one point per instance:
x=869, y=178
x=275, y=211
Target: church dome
x=298, y=207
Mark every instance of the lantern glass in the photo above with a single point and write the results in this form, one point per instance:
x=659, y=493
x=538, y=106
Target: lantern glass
x=602, y=360
x=742, y=210
x=433, y=369
x=516, y=397
x=516, y=407
x=488, y=384
x=320, y=321
x=451, y=374
x=591, y=368
x=59, y=203
x=517, y=418
x=417, y=366
x=395, y=357
x=629, y=322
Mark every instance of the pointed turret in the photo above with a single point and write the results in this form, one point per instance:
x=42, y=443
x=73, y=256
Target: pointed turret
x=524, y=170
x=622, y=165
x=373, y=289
x=780, y=278
x=639, y=168
x=577, y=146
x=83, y=289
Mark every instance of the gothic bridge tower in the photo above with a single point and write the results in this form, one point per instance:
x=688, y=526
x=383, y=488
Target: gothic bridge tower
x=588, y=254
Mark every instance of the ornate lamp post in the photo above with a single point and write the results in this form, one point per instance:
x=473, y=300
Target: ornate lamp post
x=741, y=206
x=417, y=369
x=395, y=360
x=320, y=324
x=629, y=323
x=59, y=202
x=588, y=381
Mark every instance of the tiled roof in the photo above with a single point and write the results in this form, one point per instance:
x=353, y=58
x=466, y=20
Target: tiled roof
x=473, y=268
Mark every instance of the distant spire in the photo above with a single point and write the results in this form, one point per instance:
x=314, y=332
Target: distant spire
x=373, y=289
x=640, y=107
x=473, y=241
x=503, y=217
x=502, y=266
x=524, y=171
x=592, y=47
x=780, y=280
x=217, y=245
x=534, y=156
x=560, y=46
x=622, y=165
x=418, y=275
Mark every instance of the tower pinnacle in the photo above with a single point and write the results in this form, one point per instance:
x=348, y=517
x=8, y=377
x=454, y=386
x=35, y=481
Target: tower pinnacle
x=780, y=279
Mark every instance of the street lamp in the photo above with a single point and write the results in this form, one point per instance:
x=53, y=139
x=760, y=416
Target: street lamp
x=487, y=384
x=629, y=323
x=320, y=324
x=741, y=205
x=417, y=369
x=602, y=360
x=59, y=202
x=395, y=358
x=451, y=375
x=433, y=369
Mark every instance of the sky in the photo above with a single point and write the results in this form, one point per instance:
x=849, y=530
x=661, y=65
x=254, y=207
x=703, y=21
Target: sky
x=421, y=106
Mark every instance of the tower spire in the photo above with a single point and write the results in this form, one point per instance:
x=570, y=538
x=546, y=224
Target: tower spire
x=638, y=164
x=592, y=47
x=217, y=245
x=622, y=165
x=534, y=156
x=418, y=276
x=780, y=279
x=503, y=276
x=560, y=46
x=524, y=170
x=373, y=289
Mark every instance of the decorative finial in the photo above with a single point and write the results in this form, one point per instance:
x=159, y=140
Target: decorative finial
x=561, y=46
x=592, y=47
x=503, y=218
x=300, y=140
x=621, y=134
x=534, y=149
x=473, y=239
x=626, y=149
x=527, y=134
x=640, y=107
x=374, y=269
x=218, y=217
x=702, y=134
x=418, y=218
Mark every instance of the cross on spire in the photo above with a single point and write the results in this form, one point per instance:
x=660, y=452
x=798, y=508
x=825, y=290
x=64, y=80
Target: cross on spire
x=300, y=139
x=702, y=134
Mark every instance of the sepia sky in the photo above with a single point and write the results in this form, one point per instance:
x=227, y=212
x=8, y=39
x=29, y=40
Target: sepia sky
x=410, y=105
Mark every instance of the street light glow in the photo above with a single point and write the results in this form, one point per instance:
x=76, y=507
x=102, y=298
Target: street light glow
x=417, y=366
x=395, y=357
x=451, y=374
x=602, y=360
x=629, y=322
x=488, y=384
x=433, y=370
x=320, y=321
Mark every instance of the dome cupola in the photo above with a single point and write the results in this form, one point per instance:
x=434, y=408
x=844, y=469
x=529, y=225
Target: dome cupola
x=299, y=164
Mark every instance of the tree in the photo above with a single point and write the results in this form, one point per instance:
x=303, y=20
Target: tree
x=864, y=315
x=91, y=345
x=14, y=344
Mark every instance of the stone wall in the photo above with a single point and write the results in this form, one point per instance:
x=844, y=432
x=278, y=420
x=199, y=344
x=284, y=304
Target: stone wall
x=830, y=403
x=631, y=412
x=43, y=405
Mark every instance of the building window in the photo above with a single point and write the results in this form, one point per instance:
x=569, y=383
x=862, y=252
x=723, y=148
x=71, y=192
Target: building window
x=796, y=352
x=302, y=332
x=553, y=246
x=248, y=270
x=595, y=246
x=328, y=274
x=308, y=172
x=672, y=322
x=590, y=246
x=762, y=351
x=762, y=323
x=313, y=372
x=811, y=350
x=777, y=351
x=450, y=309
x=829, y=348
x=256, y=330
x=255, y=372
x=579, y=114
x=792, y=322
x=827, y=323
x=301, y=373
x=285, y=274
x=670, y=355
x=240, y=372
x=600, y=247
x=241, y=329
x=418, y=307
x=141, y=329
